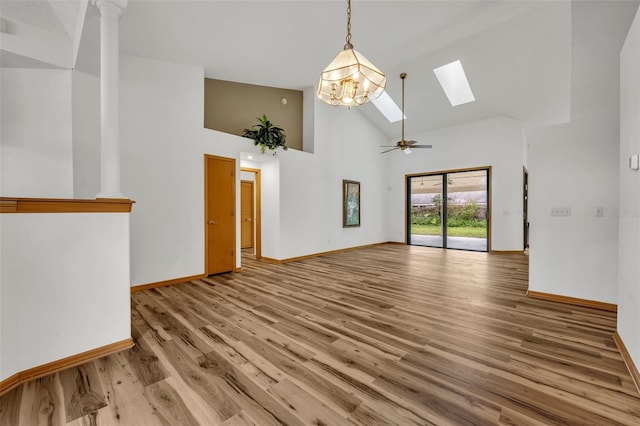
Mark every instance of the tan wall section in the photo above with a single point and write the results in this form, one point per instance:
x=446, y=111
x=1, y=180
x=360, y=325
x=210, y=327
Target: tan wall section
x=231, y=107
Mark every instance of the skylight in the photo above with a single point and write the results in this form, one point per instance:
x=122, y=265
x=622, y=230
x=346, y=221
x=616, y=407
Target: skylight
x=454, y=83
x=387, y=107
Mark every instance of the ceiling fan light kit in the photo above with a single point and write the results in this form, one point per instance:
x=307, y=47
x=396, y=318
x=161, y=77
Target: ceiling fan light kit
x=350, y=79
x=402, y=144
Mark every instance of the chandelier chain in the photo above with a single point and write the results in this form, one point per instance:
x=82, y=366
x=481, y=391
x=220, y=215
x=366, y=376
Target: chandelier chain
x=348, y=39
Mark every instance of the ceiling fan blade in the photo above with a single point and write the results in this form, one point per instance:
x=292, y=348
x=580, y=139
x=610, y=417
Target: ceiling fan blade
x=421, y=146
x=388, y=146
x=389, y=150
x=410, y=142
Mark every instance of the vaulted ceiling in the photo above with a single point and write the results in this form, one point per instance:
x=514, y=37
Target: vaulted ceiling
x=517, y=54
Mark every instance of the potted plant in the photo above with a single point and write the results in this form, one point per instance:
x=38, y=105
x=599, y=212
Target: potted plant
x=267, y=135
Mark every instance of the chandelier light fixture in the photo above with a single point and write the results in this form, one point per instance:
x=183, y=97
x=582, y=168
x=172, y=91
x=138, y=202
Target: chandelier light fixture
x=350, y=79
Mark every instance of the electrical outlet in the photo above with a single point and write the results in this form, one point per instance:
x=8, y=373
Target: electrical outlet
x=560, y=211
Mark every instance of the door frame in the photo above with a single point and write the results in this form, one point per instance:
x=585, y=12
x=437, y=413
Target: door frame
x=206, y=212
x=257, y=223
x=525, y=207
x=253, y=212
x=407, y=203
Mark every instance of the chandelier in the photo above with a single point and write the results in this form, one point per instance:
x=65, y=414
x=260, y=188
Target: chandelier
x=350, y=79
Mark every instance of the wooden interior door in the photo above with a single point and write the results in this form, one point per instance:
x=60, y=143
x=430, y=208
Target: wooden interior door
x=220, y=223
x=246, y=214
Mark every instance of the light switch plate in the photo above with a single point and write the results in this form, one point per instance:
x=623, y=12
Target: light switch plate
x=634, y=162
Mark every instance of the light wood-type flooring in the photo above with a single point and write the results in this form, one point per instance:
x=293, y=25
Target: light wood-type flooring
x=380, y=336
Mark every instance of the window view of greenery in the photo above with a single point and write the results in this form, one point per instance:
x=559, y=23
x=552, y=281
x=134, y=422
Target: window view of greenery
x=465, y=219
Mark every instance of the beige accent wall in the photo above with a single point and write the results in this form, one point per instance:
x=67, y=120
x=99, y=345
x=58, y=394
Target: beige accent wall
x=231, y=107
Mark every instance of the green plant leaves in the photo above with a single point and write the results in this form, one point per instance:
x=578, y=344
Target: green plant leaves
x=267, y=135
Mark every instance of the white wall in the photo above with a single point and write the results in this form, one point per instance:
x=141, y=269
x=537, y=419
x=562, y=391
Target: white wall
x=42, y=48
x=248, y=176
x=163, y=143
x=86, y=134
x=576, y=165
x=346, y=147
x=629, y=207
x=162, y=160
x=495, y=142
x=270, y=200
x=35, y=133
x=308, y=134
x=65, y=286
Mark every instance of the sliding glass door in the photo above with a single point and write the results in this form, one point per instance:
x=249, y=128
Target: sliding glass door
x=426, y=211
x=449, y=210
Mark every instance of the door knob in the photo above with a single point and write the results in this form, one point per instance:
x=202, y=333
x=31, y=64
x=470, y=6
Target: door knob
x=211, y=222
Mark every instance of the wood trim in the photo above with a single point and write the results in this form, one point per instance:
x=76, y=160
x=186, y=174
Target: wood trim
x=65, y=205
x=258, y=207
x=8, y=206
x=324, y=253
x=439, y=172
x=10, y=382
x=238, y=269
x=254, y=236
x=506, y=251
x=275, y=261
x=626, y=356
x=142, y=287
x=258, y=189
x=525, y=214
x=62, y=364
x=573, y=301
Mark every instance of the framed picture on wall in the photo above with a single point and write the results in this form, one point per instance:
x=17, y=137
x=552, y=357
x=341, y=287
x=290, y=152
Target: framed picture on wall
x=350, y=203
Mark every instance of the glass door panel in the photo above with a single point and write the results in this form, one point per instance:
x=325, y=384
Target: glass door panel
x=467, y=210
x=426, y=208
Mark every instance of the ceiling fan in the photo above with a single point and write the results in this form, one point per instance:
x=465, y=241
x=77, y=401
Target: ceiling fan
x=402, y=144
x=449, y=182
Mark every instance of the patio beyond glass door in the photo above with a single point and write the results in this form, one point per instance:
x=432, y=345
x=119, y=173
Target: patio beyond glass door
x=426, y=211
x=467, y=210
x=449, y=210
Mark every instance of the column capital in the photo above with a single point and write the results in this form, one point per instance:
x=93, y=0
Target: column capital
x=117, y=5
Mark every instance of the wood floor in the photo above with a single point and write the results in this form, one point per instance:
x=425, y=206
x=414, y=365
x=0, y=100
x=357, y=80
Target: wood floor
x=380, y=336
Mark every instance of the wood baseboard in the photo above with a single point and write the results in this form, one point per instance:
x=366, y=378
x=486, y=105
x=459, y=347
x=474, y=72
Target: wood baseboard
x=165, y=283
x=573, y=301
x=506, y=251
x=626, y=356
x=62, y=364
x=324, y=253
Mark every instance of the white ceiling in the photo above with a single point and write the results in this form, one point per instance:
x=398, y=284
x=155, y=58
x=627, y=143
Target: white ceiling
x=505, y=47
x=516, y=53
